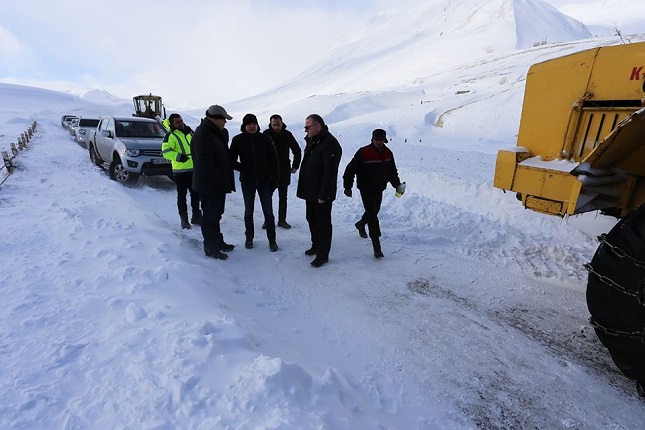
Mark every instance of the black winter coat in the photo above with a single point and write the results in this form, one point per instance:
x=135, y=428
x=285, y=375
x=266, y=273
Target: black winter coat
x=319, y=169
x=373, y=169
x=212, y=166
x=285, y=142
x=258, y=160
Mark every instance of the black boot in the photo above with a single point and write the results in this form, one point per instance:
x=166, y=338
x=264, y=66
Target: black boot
x=377, y=248
x=196, y=218
x=284, y=224
x=184, y=221
x=361, y=229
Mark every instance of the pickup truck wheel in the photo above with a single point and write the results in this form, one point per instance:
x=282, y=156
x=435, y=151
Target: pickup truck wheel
x=94, y=156
x=119, y=174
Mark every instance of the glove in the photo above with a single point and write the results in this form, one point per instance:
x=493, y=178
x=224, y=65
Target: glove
x=348, y=192
x=400, y=189
x=182, y=158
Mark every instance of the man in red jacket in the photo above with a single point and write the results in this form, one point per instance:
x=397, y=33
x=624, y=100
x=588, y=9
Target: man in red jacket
x=373, y=165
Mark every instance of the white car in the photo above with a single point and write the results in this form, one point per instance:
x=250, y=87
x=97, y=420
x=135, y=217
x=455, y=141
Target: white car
x=130, y=146
x=84, y=125
x=64, y=121
x=73, y=124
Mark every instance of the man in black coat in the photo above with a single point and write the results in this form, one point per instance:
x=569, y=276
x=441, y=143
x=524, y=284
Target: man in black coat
x=317, y=185
x=284, y=143
x=213, y=177
x=258, y=166
x=374, y=167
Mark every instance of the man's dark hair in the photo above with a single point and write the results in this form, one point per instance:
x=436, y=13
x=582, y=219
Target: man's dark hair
x=171, y=118
x=275, y=116
x=317, y=119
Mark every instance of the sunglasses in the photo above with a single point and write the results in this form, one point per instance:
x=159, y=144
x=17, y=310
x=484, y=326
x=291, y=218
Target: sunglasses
x=307, y=127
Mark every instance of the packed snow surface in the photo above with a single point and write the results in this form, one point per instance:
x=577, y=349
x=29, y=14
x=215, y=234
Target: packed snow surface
x=113, y=318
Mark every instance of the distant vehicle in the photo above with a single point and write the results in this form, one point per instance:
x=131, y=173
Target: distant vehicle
x=149, y=107
x=84, y=125
x=73, y=125
x=130, y=147
x=64, y=121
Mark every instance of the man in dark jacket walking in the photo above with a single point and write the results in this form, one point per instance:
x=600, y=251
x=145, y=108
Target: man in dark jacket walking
x=317, y=185
x=258, y=166
x=213, y=177
x=373, y=165
x=284, y=143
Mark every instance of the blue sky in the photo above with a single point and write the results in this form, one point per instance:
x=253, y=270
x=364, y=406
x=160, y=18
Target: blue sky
x=195, y=53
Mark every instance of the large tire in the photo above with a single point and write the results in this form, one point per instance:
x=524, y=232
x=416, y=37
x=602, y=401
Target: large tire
x=119, y=174
x=94, y=157
x=615, y=294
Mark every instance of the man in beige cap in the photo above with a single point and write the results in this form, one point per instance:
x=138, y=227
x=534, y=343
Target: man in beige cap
x=213, y=177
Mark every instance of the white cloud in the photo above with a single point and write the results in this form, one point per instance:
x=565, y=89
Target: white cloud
x=200, y=51
x=9, y=44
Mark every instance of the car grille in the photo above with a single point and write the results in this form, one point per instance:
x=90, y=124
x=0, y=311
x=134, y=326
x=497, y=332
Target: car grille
x=151, y=152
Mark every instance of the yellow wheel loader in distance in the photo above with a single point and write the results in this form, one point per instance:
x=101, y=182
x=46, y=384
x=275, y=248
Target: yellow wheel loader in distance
x=581, y=148
x=149, y=107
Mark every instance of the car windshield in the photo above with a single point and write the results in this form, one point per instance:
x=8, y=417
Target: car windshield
x=139, y=129
x=88, y=122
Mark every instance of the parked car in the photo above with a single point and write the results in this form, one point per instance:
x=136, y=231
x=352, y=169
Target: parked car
x=84, y=125
x=64, y=121
x=130, y=146
x=73, y=125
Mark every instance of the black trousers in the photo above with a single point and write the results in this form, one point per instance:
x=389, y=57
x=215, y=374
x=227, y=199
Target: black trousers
x=319, y=219
x=282, y=202
x=184, y=182
x=372, y=204
x=264, y=191
x=212, y=210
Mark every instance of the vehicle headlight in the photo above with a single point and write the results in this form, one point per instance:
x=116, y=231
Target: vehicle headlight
x=132, y=152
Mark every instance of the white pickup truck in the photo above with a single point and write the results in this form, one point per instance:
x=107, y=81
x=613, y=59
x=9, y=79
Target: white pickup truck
x=130, y=147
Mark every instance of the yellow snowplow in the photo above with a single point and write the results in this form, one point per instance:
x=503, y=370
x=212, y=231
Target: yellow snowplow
x=149, y=106
x=581, y=148
x=580, y=144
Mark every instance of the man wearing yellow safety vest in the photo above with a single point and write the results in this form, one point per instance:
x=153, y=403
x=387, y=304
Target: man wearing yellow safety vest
x=176, y=148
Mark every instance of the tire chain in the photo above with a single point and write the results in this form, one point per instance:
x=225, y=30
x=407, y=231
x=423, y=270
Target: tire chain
x=638, y=295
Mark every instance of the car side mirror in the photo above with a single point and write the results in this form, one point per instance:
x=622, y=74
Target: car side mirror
x=107, y=133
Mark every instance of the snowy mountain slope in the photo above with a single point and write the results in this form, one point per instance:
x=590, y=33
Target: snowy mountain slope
x=102, y=97
x=539, y=22
x=403, y=45
x=603, y=16
x=395, y=56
